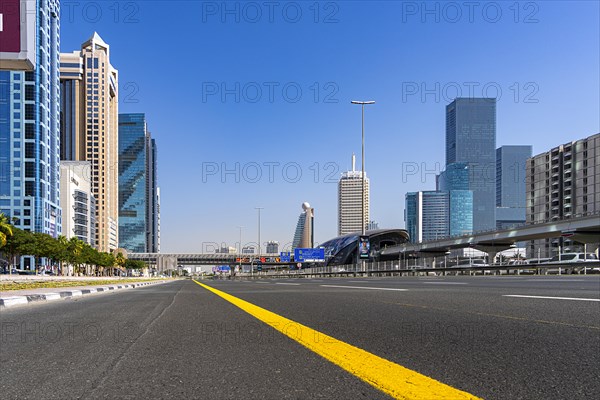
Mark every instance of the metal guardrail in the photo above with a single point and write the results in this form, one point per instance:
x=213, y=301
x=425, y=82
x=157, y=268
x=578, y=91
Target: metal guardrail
x=391, y=269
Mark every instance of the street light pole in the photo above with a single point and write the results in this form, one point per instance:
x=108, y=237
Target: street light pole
x=240, y=252
x=259, y=250
x=362, y=104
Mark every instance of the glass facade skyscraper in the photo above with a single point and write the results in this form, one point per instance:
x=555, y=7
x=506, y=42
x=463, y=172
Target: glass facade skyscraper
x=455, y=177
x=138, y=198
x=29, y=133
x=510, y=185
x=431, y=215
x=471, y=139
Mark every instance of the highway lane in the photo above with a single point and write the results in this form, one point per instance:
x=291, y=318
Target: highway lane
x=169, y=341
x=459, y=330
x=179, y=340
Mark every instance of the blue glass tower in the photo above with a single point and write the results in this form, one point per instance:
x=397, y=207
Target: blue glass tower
x=511, y=192
x=29, y=133
x=455, y=177
x=432, y=215
x=132, y=182
x=471, y=139
x=138, y=197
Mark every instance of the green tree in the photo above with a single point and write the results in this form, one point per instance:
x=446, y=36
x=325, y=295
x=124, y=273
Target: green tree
x=17, y=244
x=74, y=253
x=6, y=230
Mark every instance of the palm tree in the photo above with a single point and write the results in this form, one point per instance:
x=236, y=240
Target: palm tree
x=5, y=229
x=120, y=260
x=75, y=249
x=63, y=244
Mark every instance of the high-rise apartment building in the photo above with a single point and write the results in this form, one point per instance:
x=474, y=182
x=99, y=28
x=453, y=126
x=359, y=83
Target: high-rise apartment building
x=432, y=215
x=77, y=201
x=471, y=139
x=138, y=197
x=562, y=183
x=89, y=129
x=29, y=133
x=510, y=185
x=350, y=201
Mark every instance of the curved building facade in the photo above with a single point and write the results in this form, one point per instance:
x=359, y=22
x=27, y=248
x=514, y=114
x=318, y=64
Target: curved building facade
x=344, y=249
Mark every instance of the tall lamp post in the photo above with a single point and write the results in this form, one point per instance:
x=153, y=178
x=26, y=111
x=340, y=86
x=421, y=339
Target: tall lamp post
x=240, y=252
x=258, y=208
x=362, y=104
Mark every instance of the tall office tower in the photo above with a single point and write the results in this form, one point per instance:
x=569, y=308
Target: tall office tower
x=77, y=201
x=273, y=247
x=350, y=193
x=138, y=198
x=562, y=183
x=151, y=195
x=432, y=215
x=304, y=234
x=510, y=185
x=29, y=133
x=471, y=139
x=158, y=219
x=89, y=130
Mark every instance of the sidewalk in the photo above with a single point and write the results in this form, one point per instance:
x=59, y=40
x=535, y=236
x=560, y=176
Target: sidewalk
x=12, y=298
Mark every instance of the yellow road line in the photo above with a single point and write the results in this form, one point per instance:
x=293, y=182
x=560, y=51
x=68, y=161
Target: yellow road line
x=391, y=378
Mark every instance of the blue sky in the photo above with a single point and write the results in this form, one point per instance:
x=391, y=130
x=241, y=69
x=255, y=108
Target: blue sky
x=262, y=91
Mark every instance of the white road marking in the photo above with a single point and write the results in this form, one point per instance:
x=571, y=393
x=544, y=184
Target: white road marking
x=548, y=297
x=358, y=281
x=557, y=279
x=363, y=287
x=446, y=283
x=283, y=283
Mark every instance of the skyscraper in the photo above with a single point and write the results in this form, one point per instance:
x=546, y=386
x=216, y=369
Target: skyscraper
x=304, y=234
x=89, y=130
x=151, y=195
x=432, y=215
x=471, y=139
x=29, y=133
x=138, y=197
x=350, y=202
x=510, y=185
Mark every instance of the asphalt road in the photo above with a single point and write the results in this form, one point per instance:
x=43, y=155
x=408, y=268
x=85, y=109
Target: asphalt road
x=178, y=340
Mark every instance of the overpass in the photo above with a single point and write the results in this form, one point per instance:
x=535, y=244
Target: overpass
x=165, y=261
x=583, y=229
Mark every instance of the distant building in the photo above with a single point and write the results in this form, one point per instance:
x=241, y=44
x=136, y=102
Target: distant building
x=89, y=131
x=78, y=201
x=227, y=250
x=562, y=183
x=273, y=247
x=248, y=250
x=350, y=201
x=432, y=215
x=510, y=185
x=304, y=234
x=471, y=139
x=372, y=226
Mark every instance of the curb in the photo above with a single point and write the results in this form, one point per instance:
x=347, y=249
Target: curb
x=6, y=302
